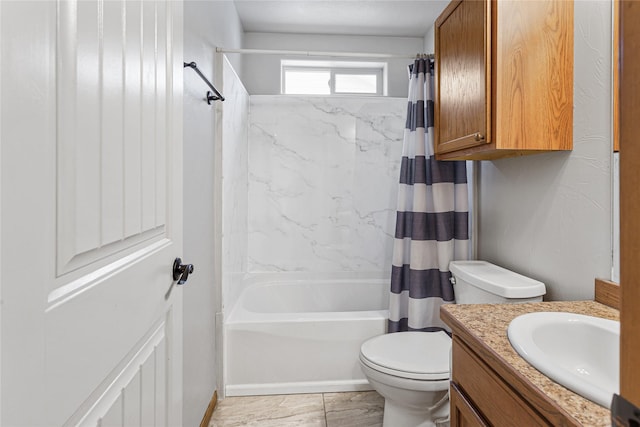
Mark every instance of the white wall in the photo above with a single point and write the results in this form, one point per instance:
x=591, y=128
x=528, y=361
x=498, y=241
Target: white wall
x=549, y=216
x=430, y=40
x=206, y=25
x=615, y=270
x=261, y=73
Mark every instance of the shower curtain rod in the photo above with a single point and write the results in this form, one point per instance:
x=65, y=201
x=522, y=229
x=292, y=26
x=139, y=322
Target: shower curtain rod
x=329, y=54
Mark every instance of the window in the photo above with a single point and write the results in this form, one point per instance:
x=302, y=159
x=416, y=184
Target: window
x=333, y=78
x=300, y=81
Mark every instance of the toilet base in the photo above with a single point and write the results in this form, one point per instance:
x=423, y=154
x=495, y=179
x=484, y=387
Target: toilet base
x=402, y=416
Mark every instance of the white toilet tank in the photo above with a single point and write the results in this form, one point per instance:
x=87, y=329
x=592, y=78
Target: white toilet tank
x=480, y=282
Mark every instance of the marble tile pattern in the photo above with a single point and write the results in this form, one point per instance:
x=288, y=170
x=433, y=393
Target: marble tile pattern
x=235, y=185
x=232, y=144
x=489, y=322
x=355, y=409
x=323, y=176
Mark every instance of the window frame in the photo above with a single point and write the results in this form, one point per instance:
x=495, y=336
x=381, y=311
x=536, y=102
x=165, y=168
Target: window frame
x=378, y=69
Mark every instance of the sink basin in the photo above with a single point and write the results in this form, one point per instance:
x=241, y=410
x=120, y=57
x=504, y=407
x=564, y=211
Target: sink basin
x=579, y=352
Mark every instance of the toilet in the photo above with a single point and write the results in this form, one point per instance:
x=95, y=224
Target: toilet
x=411, y=370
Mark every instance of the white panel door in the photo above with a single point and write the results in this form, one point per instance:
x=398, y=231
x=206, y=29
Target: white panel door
x=90, y=193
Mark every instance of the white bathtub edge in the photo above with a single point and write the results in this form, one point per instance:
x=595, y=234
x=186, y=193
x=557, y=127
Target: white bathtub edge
x=297, y=388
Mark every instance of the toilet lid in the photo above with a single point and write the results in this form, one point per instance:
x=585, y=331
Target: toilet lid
x=415, y=355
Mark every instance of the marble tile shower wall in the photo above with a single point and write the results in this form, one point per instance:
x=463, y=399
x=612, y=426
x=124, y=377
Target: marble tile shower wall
x=235, y=185
x=323, y=178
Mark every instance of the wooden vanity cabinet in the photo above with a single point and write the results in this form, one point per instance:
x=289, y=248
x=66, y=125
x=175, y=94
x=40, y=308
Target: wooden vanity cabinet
x=491, y=385
x=504, y=78
x=463, y=414
x=480, y=397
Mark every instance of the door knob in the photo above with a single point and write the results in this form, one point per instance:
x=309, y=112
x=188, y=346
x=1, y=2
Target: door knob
x=181, y=271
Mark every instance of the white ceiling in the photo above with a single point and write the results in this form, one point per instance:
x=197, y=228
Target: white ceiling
x=353, y=17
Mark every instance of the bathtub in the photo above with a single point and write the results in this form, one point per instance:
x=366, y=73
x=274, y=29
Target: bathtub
x=302, y=336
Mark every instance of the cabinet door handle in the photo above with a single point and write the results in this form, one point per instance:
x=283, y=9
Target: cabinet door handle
x=479, y=137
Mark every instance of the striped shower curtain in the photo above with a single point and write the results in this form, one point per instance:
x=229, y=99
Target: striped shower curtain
x=432, y=219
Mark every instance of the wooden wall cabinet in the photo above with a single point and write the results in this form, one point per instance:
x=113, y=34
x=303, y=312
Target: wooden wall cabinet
x=504, y=78
x=616, y=76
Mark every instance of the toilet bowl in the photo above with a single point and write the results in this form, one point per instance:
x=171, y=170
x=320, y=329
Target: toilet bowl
x=411, y=369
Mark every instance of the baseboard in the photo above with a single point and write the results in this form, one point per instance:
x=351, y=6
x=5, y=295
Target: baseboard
x=301, y=387
x=212, y=406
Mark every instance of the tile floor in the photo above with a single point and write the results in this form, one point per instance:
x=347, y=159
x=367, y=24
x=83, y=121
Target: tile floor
x=354, y=409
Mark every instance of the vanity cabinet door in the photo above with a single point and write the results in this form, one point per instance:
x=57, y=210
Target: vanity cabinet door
x=463, y=93
x=463, y=414
x=488, y=393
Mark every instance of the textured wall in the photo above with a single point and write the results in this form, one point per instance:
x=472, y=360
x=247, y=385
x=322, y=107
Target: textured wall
x=549, y=216
x=206, y=25
x=430, y=40
x=261, y=73
x=323, y=178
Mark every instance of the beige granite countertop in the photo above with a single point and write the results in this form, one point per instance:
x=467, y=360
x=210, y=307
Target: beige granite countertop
x=488, y=323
